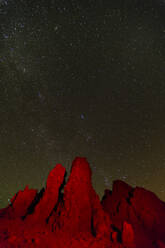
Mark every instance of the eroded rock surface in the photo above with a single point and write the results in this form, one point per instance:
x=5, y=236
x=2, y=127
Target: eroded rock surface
x=125, y=218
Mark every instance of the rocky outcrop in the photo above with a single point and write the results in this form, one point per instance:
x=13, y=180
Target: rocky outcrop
x=136, y=211
x=125, y=218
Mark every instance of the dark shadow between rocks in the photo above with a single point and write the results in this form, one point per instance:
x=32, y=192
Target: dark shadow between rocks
x=36, y=200
x=119, y=234
x=60, y=197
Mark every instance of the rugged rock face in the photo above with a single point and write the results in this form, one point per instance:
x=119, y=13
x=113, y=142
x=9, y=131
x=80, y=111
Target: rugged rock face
x=125, y=218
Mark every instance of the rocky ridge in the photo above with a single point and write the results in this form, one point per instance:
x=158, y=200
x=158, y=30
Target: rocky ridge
x=126, y=217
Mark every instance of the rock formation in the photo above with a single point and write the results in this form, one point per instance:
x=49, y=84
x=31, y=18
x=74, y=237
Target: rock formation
x=126, y=217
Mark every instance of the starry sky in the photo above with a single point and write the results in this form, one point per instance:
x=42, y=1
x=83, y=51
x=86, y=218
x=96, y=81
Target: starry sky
x=82, y=78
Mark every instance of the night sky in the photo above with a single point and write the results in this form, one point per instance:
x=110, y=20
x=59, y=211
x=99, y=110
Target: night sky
x=82, y=78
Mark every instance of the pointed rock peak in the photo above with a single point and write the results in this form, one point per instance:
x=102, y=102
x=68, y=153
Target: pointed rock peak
x=55, y=177
x=81, y=169
x=48, y=200
x=26, y=188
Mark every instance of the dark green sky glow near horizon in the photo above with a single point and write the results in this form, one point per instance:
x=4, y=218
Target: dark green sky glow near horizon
x=82, y=78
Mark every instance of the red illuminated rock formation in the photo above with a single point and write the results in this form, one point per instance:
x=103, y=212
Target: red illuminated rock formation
x=141, y=209
x=125, y=218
